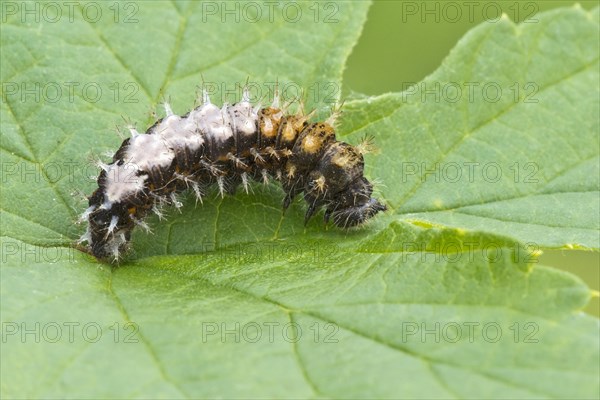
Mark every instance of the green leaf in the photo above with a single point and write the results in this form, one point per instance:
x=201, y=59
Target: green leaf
x=442, y=297
x=502, y=138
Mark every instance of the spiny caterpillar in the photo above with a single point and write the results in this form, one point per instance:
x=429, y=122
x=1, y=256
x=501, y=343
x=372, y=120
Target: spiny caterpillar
x=226, y=146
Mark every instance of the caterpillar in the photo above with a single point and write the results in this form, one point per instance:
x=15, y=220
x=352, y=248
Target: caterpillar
x=226, y=146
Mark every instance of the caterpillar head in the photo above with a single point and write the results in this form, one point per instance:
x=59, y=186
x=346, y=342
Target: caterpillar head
x=107, y=239
x=354, y=206
x=343, y=189
x=107, y=235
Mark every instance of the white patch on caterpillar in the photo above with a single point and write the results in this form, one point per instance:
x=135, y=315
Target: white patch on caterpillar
x=122, y=182
x=213, y=122
x=243, y=116
x=148, y=151
x=144, y=153
x=179, y=133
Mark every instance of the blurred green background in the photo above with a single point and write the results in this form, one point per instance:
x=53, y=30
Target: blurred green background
x=402, y=43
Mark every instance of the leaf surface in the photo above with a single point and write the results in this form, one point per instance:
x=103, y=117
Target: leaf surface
x=441, y=297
